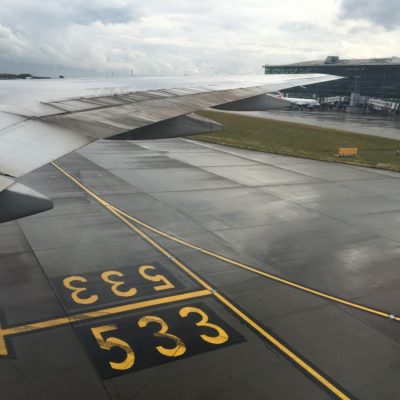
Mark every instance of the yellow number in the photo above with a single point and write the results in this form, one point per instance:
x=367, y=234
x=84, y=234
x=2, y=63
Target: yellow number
x=222, y=336
x=110, y=342
x=180, y=347
x=155, y=278
x=77, y=290
x=116, y=284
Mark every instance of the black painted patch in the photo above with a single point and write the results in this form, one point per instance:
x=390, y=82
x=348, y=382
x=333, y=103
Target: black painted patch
x=99, y=294
x=143, y=341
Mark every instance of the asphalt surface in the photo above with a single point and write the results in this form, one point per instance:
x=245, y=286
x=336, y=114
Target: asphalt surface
x=95, y=305
x=371, y=124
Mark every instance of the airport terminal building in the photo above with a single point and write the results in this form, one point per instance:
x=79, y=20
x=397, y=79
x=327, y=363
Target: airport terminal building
x=375, y=77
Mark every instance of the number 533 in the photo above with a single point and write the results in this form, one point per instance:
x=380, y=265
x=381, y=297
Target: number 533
x=137, y=343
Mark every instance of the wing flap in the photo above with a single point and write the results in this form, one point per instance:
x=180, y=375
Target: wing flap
x=184, y=125
x=109, y=121
x=47, y=130
x=36, y=128
x=257, y=103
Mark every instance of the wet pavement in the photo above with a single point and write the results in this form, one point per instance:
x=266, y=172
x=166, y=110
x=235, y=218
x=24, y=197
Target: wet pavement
x=388, y=127
x=92, y=308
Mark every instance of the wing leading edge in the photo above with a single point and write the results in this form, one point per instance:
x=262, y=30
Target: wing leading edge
x=52, y=124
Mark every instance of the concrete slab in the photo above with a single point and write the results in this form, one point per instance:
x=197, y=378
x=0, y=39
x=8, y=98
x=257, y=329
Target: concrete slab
x=229, y=208
x=259, y=175
x=330, y=227
x=173, y=179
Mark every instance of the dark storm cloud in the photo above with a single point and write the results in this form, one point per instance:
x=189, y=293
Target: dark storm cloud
x=385, y=13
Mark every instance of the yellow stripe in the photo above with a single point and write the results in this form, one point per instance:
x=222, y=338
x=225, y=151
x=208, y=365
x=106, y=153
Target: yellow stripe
x=301, y=363
x=260, y=272
x=105, y=312
x=3, y=346
x=284, y=349
x=162, y=250
x=236, y=311
x=81, y=185
x=297, y=286
x=230, y=261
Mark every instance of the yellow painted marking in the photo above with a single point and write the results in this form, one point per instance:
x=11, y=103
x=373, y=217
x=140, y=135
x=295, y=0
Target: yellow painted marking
x=260, y=272
x=162, y=250
x=301, y=363
x=236, y=311
x=176, y=351
x=77, y=290
x=283, y=349
x=111, y=342
x=116, y=284
x=348, y=151
x=81, y=185
x=155, y=230
x=221, y=336
x=105, y=312
x=3, y=347
x=297, y=286
x=228, y=260
x=155, y=278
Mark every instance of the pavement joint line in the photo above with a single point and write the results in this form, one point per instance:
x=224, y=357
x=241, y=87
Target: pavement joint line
x=254, y=270
x=250, y=322
x=243, y=316
x=306, y=367
x=89, y=315
x=264, y=274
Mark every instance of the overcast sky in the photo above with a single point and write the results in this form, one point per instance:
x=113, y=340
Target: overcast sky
x=176, y=37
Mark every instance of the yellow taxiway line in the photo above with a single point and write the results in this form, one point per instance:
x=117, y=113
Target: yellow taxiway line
x=105, y=312
x=306, y=367
x=251, y=269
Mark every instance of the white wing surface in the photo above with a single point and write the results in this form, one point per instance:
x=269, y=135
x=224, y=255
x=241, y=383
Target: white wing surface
x=42, y=120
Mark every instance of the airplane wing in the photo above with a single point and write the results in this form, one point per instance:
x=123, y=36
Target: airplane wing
x=42, y=120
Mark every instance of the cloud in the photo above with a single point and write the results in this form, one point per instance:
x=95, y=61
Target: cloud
x=385, y=13
x=10, y=43
x=106, y=15
x=64, y=12
x=175, y=37
x=299, y=27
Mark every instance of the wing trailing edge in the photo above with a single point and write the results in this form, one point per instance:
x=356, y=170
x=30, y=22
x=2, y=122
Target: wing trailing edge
x=184, y=125
x=262, y=102
x=41, y=121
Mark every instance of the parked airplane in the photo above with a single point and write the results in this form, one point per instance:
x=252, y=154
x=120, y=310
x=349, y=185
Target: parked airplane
x=299, y=102
x=42, y=120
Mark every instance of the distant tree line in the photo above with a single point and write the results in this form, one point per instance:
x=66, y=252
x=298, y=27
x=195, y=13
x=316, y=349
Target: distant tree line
x=22, y=76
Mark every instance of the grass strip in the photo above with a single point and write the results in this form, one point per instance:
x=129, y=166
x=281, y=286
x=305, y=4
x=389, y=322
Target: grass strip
x=298, y=140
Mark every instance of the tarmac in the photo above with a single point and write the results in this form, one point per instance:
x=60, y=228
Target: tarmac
x=174, y=269
x=370, y=124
